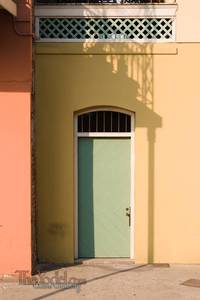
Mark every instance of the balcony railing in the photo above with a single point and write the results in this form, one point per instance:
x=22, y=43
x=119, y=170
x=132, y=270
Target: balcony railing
x=135, y=22
x=56, y=2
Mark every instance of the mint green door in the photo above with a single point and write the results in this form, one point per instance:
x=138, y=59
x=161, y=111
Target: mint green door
x=103, y=196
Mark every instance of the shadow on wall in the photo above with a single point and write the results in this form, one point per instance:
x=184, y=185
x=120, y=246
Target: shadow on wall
x=15, y=90
x=16, y=49
x=129, y=74
x=105, y=74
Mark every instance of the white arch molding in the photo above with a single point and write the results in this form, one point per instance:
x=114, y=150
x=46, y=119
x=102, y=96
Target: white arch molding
x=131, y=135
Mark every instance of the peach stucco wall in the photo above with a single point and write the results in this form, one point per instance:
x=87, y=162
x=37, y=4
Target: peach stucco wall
x=188, y=21
x=15, y=182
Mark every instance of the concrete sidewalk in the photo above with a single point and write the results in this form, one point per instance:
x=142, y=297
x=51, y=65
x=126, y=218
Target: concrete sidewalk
x=102, y=281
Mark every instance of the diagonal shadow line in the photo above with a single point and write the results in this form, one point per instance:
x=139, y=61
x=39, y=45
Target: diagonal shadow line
x=88, y=281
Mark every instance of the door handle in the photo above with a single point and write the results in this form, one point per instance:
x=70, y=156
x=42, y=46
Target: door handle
x=128, y=214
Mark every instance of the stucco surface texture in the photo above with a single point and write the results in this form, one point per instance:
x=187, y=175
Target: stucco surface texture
x=15, y=148
x=161, y=87
x=15, y=250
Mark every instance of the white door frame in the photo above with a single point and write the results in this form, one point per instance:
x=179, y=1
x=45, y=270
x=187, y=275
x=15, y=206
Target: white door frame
x=131, y=135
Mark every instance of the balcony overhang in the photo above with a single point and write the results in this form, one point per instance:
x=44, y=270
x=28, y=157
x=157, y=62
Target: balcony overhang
x=9, y=5
x=114, y=10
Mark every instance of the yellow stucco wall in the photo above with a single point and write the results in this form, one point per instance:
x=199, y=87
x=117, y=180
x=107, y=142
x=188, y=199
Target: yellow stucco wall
x=160, y=83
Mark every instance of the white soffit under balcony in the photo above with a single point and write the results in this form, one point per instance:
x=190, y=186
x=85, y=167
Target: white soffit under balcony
x=9, y=5
x=160, y=10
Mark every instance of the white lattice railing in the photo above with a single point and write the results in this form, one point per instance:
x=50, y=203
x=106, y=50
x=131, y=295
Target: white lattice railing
x=106, y=23
x=133, y=29
x=50, y=2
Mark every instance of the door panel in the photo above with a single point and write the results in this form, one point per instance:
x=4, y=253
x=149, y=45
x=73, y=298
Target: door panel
x=103, y=195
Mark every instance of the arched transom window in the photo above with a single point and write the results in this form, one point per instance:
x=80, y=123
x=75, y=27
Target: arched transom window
x=104, y=121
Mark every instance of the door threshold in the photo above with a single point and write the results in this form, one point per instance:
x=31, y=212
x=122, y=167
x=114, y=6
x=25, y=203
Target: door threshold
x=95, y=261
